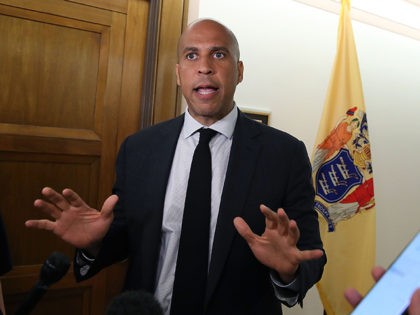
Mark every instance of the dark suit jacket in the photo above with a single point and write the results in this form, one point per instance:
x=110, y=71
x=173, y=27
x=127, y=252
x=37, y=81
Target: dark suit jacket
x=265, y=166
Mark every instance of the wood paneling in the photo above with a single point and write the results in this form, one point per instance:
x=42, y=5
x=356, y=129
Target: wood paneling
x=113, y=5
x=25, y=174
x=133, y=71
x=167, y=97
x=161, y=97
x=61, y=76
x=71, y=77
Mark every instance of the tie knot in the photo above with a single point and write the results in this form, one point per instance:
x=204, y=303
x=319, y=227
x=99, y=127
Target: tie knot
x=206, y=135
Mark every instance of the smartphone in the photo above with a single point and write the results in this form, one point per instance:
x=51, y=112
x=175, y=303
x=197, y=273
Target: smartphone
x=392, y=293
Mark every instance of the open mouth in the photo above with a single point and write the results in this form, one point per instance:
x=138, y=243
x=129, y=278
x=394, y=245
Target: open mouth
x=205, y=90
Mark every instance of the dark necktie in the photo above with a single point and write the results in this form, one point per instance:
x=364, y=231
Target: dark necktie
x=193, y=254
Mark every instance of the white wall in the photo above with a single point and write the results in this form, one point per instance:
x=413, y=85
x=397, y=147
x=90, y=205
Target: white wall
x=288, y=49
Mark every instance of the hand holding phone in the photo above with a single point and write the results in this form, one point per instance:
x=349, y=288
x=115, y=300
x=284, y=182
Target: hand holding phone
x=391, y=294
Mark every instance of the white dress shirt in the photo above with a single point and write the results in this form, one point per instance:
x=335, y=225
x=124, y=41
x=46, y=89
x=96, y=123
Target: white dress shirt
x=176, y=190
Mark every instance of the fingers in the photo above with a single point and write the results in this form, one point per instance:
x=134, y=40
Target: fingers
x=352, y=296
x=73, y=198
x=56, y=202
x=55, y=198
x=284, y=221
x=40, y=224
x=414, y=308
x=281, y=222
x=65, y=200
x=48, y=208
x=377, y=272
x=274, y=220
x=271, y=218
x=311, y=254
x=294, y=232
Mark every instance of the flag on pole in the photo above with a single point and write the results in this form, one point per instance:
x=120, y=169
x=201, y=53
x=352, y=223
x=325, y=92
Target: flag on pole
x=343, y=179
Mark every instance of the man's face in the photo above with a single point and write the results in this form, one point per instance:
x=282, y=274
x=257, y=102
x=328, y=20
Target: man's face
x=208, y=71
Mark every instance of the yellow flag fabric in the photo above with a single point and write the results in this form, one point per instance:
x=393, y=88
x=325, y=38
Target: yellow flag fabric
x=343, y=179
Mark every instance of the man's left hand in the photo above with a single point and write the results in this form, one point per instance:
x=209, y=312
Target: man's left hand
x=276, y=247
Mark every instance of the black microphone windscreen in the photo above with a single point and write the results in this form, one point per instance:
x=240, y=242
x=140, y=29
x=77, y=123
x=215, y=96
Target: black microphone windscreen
x=54, y=268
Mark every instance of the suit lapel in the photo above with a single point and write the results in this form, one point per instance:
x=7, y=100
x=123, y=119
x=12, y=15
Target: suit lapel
x=160, y=161
x=152, y=195
x=242, y=161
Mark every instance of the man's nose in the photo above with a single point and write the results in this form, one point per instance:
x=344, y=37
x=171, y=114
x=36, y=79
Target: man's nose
x=205, y=66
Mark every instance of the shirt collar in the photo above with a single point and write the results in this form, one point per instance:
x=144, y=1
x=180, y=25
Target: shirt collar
x=225, y=126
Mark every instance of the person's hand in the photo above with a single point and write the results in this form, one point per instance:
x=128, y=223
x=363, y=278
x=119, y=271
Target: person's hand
x=74, y=221
x=276, y=247
x=354, y=297
x=414, y=308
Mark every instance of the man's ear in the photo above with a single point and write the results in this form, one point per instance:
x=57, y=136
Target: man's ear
x=240, y=71
x=178, y=80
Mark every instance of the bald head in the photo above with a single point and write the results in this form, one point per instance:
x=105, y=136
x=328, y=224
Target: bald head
x=209, y=23
x=208, y=70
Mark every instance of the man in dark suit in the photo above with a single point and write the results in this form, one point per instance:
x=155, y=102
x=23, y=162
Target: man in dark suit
x=259, y=258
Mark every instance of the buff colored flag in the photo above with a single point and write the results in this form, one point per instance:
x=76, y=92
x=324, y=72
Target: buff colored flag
x=343, y=179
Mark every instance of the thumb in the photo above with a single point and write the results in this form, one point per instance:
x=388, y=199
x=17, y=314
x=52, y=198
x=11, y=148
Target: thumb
x=243, y=229
x=108, y=206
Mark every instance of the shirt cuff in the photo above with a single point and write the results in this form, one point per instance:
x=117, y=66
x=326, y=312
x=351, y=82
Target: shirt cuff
x=83, y=262
x=288, y=294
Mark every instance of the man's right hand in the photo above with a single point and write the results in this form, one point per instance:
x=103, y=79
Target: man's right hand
x=74, y=221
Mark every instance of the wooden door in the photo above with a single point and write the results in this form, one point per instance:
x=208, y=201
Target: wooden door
x=71, y=74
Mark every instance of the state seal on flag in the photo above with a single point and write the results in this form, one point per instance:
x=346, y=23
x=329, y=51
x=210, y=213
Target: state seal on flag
x=342, y=170
x=336, y=177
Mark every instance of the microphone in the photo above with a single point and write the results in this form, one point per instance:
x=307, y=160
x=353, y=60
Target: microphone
x=134, y=303
x=53, y=269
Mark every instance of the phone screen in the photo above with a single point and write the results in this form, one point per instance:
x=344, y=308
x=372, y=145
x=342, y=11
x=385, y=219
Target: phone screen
x=391, y=294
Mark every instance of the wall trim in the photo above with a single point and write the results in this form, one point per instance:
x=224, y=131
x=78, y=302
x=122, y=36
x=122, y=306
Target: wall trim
x=366, y=17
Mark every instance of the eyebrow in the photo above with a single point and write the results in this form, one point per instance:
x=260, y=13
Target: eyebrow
x=211, y=49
